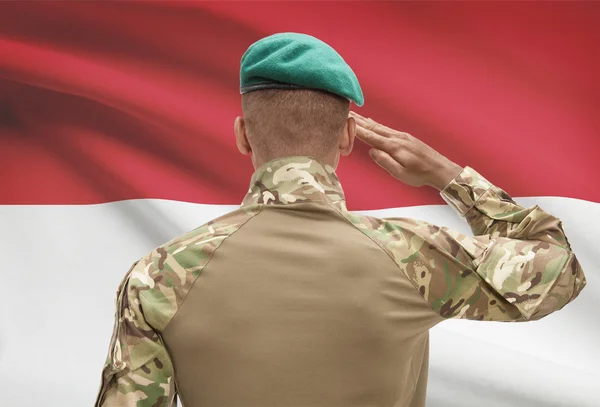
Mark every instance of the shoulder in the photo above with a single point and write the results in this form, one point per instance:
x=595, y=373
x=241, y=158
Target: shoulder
x=403, y=240
x=162, y=278
x=394, y=235
x=404, y=237
x=207, y=237
x=389, y=229
x=417, y=247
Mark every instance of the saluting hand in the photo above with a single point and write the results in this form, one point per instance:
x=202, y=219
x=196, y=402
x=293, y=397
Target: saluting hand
x=405, y=157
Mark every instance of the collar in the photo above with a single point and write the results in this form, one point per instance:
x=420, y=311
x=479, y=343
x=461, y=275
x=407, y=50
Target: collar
x=293, y=179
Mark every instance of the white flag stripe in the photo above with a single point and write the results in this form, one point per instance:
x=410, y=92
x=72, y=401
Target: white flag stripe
x=62, y=265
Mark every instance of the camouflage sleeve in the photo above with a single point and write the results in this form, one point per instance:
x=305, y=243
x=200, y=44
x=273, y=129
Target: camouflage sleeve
x=491, y=211
x=518, y=267
x=138, y=370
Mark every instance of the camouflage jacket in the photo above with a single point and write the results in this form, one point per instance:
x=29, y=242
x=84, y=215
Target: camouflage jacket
x=519, y=266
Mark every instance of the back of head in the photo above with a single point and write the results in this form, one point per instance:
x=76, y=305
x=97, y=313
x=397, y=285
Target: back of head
x=287, y=122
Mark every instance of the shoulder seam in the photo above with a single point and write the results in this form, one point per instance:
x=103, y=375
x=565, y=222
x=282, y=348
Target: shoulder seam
x=391, y=258
x=260, y=207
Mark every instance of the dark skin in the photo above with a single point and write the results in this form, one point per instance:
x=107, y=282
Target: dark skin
x=403, y=156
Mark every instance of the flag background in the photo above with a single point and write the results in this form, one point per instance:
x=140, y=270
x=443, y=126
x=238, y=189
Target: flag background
x=116, y=134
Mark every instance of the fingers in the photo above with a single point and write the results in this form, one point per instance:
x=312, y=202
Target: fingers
x=387, y=162
x=376, y=140
x=362, y=121
x=378, y=128
x=370, y=124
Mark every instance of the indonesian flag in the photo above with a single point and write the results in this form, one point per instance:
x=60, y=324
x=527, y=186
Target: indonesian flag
x=116, y=135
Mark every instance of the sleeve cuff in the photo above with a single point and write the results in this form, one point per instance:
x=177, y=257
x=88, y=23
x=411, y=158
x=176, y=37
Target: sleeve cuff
x=463, y=192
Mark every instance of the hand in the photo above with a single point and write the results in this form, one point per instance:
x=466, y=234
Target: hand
x=405, y=157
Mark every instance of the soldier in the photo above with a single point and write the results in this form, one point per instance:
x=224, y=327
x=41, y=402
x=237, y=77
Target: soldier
x=292, y=300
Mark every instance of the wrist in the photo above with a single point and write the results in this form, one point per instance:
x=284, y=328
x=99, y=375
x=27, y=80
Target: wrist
x=445, y=175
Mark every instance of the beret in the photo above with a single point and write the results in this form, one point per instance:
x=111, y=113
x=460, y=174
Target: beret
x=297, y=61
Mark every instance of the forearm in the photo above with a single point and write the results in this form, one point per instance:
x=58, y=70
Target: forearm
x=491, y=211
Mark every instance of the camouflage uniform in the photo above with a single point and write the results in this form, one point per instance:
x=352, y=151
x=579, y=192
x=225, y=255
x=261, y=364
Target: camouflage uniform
x=308, y=304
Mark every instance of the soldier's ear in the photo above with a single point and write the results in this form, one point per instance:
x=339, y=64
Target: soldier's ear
x=241, y=138
x=348, y=136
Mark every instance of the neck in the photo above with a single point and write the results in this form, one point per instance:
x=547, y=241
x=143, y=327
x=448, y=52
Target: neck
x=331, y=158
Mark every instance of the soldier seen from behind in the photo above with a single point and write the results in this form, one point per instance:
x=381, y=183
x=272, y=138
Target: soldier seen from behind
x=292, y=300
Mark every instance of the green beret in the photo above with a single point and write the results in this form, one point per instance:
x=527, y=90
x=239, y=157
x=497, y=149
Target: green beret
x=297, y=61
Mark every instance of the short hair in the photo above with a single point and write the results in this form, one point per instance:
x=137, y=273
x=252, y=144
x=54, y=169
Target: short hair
x=286, y=122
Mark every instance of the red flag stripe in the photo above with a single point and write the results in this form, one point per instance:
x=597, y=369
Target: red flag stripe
x=107, y=101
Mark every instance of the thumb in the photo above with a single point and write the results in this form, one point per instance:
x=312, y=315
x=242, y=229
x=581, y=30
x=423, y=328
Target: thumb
x=385, y=161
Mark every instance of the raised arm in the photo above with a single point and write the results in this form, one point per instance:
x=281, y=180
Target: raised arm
x=518, y=267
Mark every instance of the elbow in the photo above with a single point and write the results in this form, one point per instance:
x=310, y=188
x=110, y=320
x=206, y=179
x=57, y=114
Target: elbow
x=570, y=282
x=577, y=280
